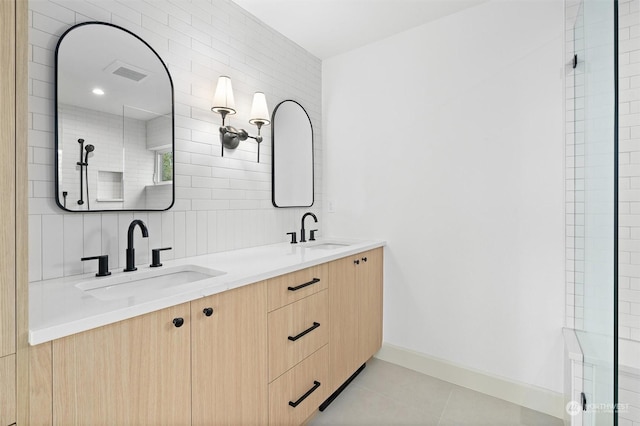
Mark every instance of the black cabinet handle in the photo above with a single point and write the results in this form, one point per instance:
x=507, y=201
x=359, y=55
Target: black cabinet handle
x=316, y=385
x=308, y=330
x=364, y=259
x=178, y=322
x=357, y=262
x=313, y=281
x=208, y=311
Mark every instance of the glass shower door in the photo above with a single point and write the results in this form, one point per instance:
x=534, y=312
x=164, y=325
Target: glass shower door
x=595, y=204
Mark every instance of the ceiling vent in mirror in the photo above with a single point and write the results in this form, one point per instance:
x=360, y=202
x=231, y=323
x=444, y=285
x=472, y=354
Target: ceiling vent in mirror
x=127, y=71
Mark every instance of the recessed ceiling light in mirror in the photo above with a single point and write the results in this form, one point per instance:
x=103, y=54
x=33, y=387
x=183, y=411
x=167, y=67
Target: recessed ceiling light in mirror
x=98, y=91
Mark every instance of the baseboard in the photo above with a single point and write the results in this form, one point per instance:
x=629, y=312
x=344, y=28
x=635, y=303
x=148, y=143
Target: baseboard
x=545, y=401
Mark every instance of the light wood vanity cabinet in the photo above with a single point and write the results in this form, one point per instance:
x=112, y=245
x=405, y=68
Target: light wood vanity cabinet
x=265, y=353
x=199, y=363
x=8, y=392
x=298, y=352
x=355, y=300
x=229, y=357
x=12, y=193
x=131, y=372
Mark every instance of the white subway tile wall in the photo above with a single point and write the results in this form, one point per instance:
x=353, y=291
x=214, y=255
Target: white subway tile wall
x=629, y=204
x=222, y=203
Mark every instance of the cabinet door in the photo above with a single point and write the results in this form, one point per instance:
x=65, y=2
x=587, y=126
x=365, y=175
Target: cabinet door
x=344, y=357
x=229, y=358
x=8, y=390
x=134, y=372
x=7, y=178
x=355, y=300
x=369, y=285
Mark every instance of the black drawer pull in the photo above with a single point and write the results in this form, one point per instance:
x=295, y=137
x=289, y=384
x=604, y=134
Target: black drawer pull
x=313, y=281
x=208, y=311
x=316, y=385
x=308, y=330
x=178, y=322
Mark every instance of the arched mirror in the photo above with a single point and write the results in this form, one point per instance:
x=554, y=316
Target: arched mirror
x=292, y=141
x=114, y=122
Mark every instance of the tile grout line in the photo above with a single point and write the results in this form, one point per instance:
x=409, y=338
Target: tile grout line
x=446, y=404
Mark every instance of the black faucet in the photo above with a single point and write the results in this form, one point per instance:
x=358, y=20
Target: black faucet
x=131, y=252
x=303, y=238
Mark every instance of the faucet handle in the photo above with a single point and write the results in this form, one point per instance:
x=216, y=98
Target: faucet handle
x=293, y=237
x=312, y=237
x=103, y=264
x=155, y=256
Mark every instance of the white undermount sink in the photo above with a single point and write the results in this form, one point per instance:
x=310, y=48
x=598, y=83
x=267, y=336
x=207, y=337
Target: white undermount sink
x=326, y=245
x=146, y=282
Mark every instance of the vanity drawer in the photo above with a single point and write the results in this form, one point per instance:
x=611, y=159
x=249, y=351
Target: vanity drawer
x=297, y=285
x=296, y=331
x=305, y=386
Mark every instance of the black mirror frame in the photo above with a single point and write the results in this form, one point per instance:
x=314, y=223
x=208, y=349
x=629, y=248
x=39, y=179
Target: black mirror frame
x=273, y=158
x=173, y=136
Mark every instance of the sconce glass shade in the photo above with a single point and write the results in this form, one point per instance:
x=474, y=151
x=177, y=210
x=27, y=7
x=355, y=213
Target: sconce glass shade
x=259, y=110
x=223, y=102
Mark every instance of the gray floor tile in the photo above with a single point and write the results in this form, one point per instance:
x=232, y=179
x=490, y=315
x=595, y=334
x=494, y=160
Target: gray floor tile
x=361, y=406
x=424, y=393
x=467, y=407
x=387, y=394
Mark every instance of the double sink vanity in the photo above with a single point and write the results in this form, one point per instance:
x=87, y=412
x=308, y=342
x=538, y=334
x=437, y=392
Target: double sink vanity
x=256, y=336
x=263, y=335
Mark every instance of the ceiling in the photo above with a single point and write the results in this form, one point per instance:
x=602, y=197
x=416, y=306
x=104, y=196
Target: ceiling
x=94, y=56
x=330, y=27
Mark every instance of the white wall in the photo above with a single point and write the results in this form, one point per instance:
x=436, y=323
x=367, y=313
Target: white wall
x=221, y=203
x=447, y=141
x=110, y=134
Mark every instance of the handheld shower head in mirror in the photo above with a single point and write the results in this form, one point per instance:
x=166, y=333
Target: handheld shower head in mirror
x=89, y=148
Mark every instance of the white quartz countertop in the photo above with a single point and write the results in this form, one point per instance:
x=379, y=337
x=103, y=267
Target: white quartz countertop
x=58, y=308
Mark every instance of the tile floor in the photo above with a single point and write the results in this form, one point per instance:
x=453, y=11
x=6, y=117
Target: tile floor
x=387, y=394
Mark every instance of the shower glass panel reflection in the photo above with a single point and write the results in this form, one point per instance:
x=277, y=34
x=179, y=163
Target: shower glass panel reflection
x=594, y=204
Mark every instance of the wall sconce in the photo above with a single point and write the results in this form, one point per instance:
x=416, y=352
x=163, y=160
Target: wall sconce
x=224, y=104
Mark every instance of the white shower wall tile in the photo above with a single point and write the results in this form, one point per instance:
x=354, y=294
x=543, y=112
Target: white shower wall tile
x=629, y=162
x=222, y=203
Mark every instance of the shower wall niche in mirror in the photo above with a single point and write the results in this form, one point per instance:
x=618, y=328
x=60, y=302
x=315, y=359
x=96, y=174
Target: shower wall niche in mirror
x=114, y=122
x=292, y=141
